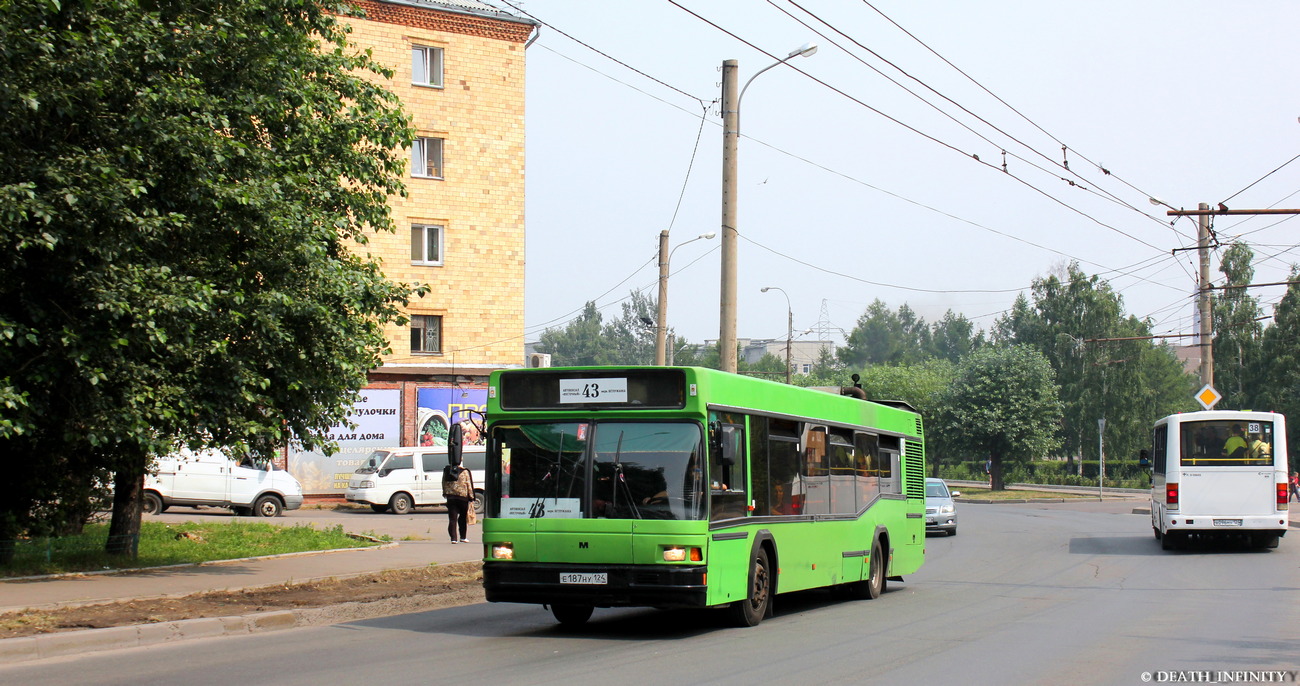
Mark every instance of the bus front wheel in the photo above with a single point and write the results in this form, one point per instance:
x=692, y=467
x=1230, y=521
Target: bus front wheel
x=751, y=610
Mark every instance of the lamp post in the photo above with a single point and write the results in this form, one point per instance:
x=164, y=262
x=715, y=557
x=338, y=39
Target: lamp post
x=665, y=257
x=730, y=138
x=789, y=328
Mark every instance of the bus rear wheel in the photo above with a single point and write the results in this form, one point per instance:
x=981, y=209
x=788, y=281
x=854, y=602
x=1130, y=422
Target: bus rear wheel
x=751, y=610
x=572, y=615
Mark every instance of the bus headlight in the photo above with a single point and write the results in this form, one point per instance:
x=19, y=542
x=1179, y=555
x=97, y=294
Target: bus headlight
x=677, y=553
x=503, y=551
x=367, y=484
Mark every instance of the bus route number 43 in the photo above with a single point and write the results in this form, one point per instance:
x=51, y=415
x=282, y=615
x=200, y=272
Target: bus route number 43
x=612, y=390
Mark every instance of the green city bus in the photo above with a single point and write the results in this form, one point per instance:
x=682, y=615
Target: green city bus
x=690, y=487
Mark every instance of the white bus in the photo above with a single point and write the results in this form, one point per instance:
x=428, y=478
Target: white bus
x=1219, y=474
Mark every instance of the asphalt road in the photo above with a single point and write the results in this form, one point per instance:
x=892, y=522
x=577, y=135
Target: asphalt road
x=1067, y=593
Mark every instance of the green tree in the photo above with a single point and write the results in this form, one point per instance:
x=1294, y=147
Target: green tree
x=1279, y=386
x=590, y=340
x=1003, y=404
x=1237, y=331
x=882, y=336
x=954, y=337
x=1110, y=379
x=186, y=190
x=579, y=343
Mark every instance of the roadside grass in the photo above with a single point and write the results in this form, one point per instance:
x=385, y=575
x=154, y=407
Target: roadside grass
x=977, y=493
x=169, y=544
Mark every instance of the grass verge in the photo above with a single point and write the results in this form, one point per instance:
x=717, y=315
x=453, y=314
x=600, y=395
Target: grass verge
x=168, y=544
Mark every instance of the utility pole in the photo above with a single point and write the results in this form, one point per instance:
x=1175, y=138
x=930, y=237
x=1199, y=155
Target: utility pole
x=730, y=139
x=661, y=328
x=1207, y=311
x=789, y=340
x=1203, y=237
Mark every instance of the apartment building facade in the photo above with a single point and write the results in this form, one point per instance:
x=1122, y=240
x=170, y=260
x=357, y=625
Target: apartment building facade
x=459, y=70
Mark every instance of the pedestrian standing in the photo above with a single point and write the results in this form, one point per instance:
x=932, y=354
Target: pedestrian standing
x=1295, y=486
x=458, y=490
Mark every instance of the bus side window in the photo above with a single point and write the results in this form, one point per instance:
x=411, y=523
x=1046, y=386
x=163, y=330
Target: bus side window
x=1159, y=449
x=727, y=471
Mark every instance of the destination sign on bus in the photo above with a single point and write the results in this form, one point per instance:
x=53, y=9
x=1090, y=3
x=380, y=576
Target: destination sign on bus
x=605, y=390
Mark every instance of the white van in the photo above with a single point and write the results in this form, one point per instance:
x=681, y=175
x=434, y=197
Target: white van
x=399, y=479
x=210, y=478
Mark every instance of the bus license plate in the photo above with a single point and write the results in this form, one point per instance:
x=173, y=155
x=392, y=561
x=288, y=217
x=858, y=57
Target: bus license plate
x=592, y=579
x=1227, y=522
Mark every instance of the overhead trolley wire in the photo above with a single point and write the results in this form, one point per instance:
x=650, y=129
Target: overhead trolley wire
x=913, y=129
x=1095, y=190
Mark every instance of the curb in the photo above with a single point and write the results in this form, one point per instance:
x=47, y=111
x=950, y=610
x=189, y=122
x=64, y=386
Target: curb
x=81, y=642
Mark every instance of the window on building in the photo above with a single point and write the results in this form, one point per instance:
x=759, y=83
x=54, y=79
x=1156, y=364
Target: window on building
x=426, y=158
x=807, y=369
x=426, y=66
x=426, y=333
x=426, y=244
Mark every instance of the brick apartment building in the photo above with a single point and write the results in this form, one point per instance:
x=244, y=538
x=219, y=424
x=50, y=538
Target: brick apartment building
x=459, y=70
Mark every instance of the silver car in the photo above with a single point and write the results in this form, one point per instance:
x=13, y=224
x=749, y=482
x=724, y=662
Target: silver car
x=940, y=511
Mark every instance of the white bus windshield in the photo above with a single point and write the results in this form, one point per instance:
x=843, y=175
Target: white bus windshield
x=1227, y=443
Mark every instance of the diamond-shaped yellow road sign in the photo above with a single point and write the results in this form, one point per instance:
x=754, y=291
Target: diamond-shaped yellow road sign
x=1207, y=397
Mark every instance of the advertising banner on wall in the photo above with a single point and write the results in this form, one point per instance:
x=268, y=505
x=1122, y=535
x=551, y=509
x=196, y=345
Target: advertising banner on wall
x=440, y=407
x=378, y=420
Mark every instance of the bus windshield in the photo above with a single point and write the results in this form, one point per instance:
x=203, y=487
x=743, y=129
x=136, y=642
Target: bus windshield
x=597, y=470
x=1227, y=443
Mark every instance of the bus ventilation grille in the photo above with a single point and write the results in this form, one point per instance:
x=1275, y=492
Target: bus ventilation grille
x=919, y=430
x=914, y=465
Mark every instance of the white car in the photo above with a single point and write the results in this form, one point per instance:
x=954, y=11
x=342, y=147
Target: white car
x=940, y=510
x=210, y=478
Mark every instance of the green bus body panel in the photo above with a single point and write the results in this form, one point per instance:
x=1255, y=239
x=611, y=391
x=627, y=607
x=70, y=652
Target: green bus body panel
x=809, y=554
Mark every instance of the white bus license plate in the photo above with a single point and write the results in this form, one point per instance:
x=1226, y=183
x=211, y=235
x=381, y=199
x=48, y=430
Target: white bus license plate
x=1227, y=522
x=592, y=579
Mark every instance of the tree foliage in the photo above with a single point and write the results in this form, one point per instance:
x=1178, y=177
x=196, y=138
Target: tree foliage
x=1237, y=330
x=1130, y=383
x=1004, y=404
x=184, y=187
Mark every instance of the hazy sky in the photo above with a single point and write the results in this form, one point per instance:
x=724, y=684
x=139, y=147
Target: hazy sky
x=851, y=188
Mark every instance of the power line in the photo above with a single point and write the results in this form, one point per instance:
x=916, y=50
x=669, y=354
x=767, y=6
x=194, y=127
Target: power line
x=981, y=86
x=1098, y=191
x=600, y=52
x=1230, y=197
x=971, y=156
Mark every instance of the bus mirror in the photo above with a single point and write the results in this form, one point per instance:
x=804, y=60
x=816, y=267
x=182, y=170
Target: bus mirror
x=455, y=443
x=730, y=444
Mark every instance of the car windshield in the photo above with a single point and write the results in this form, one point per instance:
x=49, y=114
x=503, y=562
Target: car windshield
x=599, y=470
x=936, y=489
x=371, y=465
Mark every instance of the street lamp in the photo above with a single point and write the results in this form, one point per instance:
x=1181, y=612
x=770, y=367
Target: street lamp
x=730, y=139
x=789, y=330
x=665, y=257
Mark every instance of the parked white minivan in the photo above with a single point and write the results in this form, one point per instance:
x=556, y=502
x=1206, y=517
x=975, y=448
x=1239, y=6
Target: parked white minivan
x=398, y=480
x=210, y=478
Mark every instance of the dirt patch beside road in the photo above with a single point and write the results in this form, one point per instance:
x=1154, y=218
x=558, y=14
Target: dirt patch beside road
x=367, y=595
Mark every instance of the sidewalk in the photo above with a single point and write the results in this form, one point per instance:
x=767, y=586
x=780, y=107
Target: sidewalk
x=233, y=574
